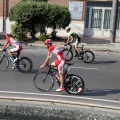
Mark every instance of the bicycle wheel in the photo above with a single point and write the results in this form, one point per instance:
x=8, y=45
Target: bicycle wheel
x=4, y=62
x=43, y=81
x=24, y=65
x=74, y=84
x=68, y=54
x=88, y=56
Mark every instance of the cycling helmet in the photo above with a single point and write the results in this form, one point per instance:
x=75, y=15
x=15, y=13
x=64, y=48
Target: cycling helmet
x=68, y=28
x=9, y=33
x=48, y=41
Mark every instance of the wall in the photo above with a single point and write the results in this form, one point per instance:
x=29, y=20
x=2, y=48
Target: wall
x=76, y=25
x=10, y=4
x=66, y=4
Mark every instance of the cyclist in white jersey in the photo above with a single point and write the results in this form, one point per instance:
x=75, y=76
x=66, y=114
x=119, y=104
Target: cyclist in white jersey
x=11, y=41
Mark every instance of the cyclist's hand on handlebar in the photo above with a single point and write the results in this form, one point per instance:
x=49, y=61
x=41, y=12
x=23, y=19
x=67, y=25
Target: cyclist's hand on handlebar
x=42, y=66
x=65, y=44
x=1, y=50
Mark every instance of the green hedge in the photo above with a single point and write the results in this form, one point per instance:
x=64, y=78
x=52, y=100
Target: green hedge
x=31, y=14
x=18, y=31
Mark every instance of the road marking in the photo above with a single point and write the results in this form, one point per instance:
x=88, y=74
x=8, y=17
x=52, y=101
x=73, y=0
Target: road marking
x=53, y=95
x=86, y=68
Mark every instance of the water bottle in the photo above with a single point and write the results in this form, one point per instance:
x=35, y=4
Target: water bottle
x=57, y=76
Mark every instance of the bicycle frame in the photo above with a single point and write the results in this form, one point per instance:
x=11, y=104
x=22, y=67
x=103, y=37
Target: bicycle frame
x=7, y=56
x=73, y=50
x=51, y=72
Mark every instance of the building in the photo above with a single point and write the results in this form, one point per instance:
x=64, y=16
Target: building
x=94, y=14
x=98, y=18
x=76, y=6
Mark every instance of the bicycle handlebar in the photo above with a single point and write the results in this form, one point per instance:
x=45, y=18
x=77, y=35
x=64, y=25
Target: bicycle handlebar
x=67, y=44
x=4, y=50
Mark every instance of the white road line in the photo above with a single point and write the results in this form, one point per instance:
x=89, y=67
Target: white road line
x=64, y=96
x=86, y=68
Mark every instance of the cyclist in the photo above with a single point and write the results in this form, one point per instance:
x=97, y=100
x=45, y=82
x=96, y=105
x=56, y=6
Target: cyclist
x=74, y=39
x=59, y=63
x=11, y=41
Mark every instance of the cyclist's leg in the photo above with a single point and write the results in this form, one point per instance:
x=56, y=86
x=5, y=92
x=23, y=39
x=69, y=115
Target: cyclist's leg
x=76, y=46
x=19, y=50
x=60, y=65
x=61, y=74
x=79, y=39
x=75, y=50
x=13, y=50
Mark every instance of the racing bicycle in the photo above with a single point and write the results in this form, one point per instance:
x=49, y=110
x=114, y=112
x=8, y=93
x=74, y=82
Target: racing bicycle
x=85, y=55
x=23, y=64
x=45, y=80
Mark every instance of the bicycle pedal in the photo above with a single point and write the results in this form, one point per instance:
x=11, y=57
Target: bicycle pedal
x=13, y=68
x=75, y=55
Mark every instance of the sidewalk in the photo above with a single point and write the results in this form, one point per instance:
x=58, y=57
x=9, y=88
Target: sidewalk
x=90, y=43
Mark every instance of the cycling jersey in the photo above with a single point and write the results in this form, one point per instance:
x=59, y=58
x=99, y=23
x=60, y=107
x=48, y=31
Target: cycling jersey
x=76, y=38
x=13, y=42
x=56, y=51
x=72, y=34
x=53, y=50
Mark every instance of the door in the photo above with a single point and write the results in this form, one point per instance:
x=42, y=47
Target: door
x=106, y=22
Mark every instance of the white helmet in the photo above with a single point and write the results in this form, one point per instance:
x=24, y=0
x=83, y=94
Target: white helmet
x=68, y=28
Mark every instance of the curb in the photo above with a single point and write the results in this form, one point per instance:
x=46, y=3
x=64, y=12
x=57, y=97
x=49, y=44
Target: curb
x=66, y=103
x=111, y=46
x=37, y=108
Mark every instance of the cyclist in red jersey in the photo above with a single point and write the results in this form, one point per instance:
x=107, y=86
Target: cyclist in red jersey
x=11, y=41
x=59, y=63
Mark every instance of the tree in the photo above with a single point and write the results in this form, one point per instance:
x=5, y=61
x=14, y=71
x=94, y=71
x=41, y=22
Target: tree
x=35, y=0
x=44, y=15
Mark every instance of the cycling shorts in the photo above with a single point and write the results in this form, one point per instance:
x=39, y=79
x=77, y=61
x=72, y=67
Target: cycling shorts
x=76, y=42
x=60, y=65
x=16, y=49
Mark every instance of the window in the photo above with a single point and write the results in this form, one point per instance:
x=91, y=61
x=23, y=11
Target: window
x=107, y=17
x=96, y=18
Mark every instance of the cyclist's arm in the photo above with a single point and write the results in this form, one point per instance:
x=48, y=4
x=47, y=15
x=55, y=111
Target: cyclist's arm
x=46, y=60
x=5, y=46
x=68, y=40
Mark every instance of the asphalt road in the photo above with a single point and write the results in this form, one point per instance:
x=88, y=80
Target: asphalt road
x=102, y=79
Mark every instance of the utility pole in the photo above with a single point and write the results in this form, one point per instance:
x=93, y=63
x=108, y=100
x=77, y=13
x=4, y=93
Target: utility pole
x=113, y=23
x=3, y=15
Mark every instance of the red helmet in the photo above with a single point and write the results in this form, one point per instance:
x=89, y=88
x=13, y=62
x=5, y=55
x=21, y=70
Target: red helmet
x=48, y=41
x=9, y=33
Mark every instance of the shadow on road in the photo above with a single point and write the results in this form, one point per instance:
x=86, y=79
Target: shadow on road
x=34, y=71
x=100, y=92
x=104, y=62
x=97, y=62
